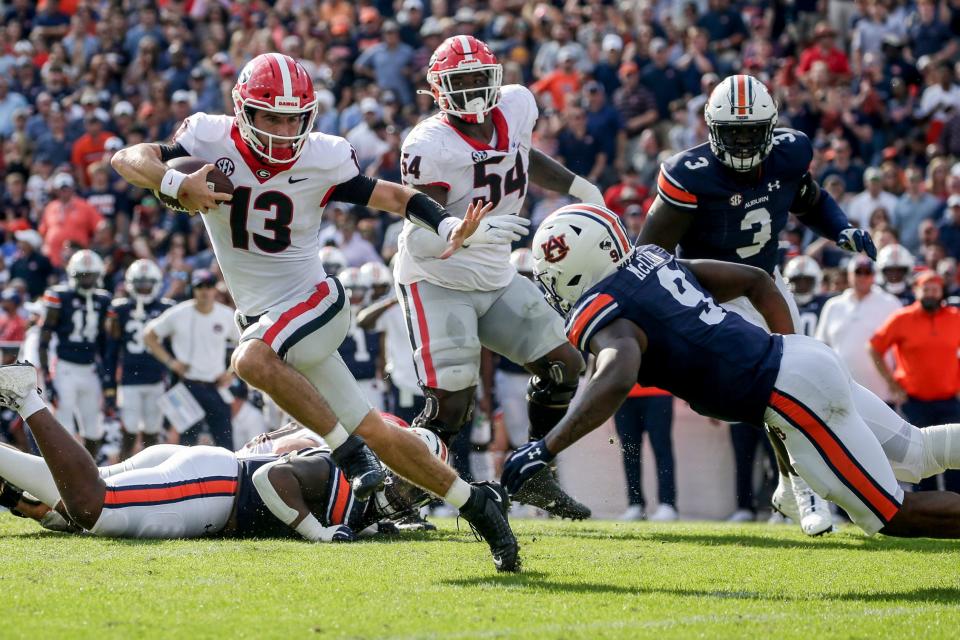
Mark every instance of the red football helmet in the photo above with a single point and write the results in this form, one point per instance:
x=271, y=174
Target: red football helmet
x=459, y=56
x=279, y=84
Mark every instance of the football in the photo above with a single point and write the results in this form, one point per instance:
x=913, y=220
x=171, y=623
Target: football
x=217, y=180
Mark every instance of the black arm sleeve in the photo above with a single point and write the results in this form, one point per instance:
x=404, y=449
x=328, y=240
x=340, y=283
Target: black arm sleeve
x=170, y=151
x=356, y=190
x=424, y=211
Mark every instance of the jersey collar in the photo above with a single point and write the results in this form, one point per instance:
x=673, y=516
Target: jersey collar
x=499, y=125
x=261, y=170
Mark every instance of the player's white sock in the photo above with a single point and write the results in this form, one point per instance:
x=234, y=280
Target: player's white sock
x=941, y=448
x=458, y=494
x=146, y=459
x=31, y=404
x=337, y=436
x=29, y=473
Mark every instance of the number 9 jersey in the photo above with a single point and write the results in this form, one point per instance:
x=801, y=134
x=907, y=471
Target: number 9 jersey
x=265, y=239
x=736, y=217
x=434, y=153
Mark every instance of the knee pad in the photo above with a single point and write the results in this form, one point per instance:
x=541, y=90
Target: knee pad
x=548, y=399
x=457, y=411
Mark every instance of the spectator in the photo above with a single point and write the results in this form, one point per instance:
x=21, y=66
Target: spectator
x=388, y=63
x=202, y=333
x=603, y=121
x=10, y=101
x=874, y=197
x=661, y=78
x=636, y=105
x=928, y=36
x=55, y=147
x=607, y=70
x=940, y=99
x=696, y=61
x=851, y=318
x=824, y=50
x=554, y=87
x=13, y=324
x=925, y=338
x=14, y=206
x=913, y=207
x=650, y=410
x=369, y=136
x=67, y=218
x=89, y=147
x=30, y=265
x=841, y=164
x=343, y=234
x=577, y=149
x=724, y=26
x=949, y=228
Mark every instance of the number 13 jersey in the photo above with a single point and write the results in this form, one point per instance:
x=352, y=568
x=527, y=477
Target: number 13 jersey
x=266, y=238
x=734, y=219
x=434, y=153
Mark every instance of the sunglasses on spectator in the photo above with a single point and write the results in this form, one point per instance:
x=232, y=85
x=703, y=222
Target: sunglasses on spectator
x=864, y=272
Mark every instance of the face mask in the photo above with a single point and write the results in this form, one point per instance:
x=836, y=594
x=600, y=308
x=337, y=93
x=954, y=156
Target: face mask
x=930, y=304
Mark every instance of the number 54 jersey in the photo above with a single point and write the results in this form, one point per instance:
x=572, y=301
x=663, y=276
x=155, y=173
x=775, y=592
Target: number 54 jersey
x=434, y=153
x=266, y=239
x=721, y=364
x=736, y=219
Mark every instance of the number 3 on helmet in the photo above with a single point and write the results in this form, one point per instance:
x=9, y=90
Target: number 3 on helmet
x=277, y=84
x=456, y=57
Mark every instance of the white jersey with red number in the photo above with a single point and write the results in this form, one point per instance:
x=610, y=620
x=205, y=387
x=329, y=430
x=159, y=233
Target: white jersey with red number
x=266, y=238
x=435, y=153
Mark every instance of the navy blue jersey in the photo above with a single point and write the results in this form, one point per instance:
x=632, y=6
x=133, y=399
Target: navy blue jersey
x=905, y=297
x=337, y=505
x=509, y=366
x=80, y=327
x=360, y=350
x=810, y=314
x=138, y=365
x=721, y=364
x=736, y=220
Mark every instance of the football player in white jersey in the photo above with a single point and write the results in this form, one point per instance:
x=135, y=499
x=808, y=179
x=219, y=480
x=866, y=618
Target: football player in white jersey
x=478, y=149
x=292, y=315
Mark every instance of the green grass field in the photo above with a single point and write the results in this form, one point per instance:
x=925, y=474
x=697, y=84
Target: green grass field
x=587, y=580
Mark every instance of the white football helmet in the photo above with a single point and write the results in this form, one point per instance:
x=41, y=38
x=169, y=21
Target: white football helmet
x=895, y=264
x=84, y=270
x=741, y=115
x=143, y=280
x=522, y=261
x=804, y=276
x=377, y=274
x=576, y=247
x=356, y=284
x=333, y=260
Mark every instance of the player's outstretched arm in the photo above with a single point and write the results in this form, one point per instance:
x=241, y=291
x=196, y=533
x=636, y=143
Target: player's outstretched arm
x=142, y=165
x=368, y=316
x=285, y=486
x=665, y=225
x=726, y=281
x=550, y=174
x=818, y=210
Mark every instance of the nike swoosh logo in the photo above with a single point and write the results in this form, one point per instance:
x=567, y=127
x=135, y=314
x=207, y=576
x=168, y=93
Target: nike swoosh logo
x=496, y=496
x=498, y=561
x=293, y=180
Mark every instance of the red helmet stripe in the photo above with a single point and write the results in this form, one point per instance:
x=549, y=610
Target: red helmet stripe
x=741, y=95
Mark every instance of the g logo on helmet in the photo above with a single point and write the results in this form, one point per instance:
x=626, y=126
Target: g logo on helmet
x=555, y=248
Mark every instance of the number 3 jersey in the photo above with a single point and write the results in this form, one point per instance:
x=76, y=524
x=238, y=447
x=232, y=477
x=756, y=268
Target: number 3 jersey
x=80, y=323
x=735, y=219
x=437, y=154
x=266, y=238
x=721, y=364
x=138, y=365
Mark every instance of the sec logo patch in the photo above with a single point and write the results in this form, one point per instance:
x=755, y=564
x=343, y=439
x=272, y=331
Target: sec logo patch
x=226, y=166
x=736, y=200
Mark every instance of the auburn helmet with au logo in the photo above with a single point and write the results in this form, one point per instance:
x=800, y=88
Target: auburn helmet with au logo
x=453, y=83
x=576, y=247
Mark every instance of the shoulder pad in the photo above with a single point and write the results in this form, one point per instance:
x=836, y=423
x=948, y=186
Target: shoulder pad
x=327, y=151
x=206, y=127
x=793, y=146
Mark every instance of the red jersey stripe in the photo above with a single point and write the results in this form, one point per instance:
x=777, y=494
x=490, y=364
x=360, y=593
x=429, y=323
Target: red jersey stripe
x=584, y=317
x=673, y=192
x=323, y=289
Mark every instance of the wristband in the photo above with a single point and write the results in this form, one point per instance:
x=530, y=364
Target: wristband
x=585, y=191
x=447, y=226
x=170, y=185
x=311, y=529
x=424, y=211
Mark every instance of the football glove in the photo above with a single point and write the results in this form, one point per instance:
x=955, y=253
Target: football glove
x=499, y=230
x=340, y=533
x=523, y=464
x=857, y=241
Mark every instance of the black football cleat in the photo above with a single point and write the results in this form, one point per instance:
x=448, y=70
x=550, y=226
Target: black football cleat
x=361, y=466
x=544, y=492
x=486, y=511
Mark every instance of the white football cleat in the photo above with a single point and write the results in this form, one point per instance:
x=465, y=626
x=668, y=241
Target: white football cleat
x=633, y=512
x=815, y=517
x=16, y=381
x=742, y=515
x=664, y=513
x=784, y=501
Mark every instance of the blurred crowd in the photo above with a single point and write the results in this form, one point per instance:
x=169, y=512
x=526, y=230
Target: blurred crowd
x=621, y=85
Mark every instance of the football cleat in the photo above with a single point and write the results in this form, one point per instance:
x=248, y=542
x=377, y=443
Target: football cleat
x=360, y=465
x=544, y=492
x=783, y=501
x=815, y=518
x=742, y=515
x=16, y=381
x=633, y=512
x=664, y=513
x=486, y=511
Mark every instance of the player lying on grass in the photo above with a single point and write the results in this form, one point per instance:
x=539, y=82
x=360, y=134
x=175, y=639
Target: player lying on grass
x=271, y=487
x=656, y=320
